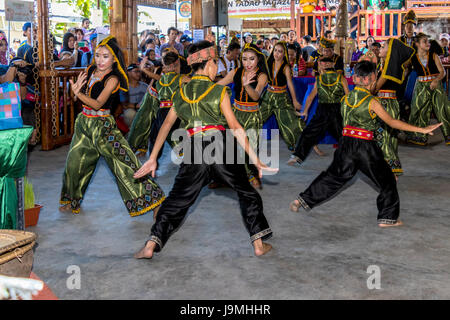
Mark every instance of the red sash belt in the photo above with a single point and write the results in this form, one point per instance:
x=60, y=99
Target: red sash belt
x=357, y=133
x=165, y=104
x=196, y=130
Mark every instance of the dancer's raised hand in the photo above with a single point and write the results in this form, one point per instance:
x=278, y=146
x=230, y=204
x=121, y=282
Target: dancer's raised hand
x=81, y=81
x=429, y=130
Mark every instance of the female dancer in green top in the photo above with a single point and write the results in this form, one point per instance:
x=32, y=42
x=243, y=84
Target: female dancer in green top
x=96, y=134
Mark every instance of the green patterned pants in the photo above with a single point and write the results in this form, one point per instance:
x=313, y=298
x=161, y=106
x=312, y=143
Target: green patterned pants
x=388, y=141
x=142, y=123
x=424, y=101
x=280, y=104
x=99, y=136
x=252, y=124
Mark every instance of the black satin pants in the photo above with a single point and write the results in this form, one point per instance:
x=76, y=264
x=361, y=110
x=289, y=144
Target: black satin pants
x=192, y=177
x=327, y=118
x=156, y=125
x=352, y=155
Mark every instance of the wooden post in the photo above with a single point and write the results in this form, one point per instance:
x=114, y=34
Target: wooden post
x=292, y=25
x=121, y=26
x=44, y=81
x=197, y=18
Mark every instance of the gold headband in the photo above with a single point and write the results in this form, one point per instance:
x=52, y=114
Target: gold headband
x=202, y=55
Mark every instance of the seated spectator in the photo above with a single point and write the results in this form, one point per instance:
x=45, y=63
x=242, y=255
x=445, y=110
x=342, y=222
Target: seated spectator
x=172, y=33
x=82, y=44
x=260, y=45
x=369, y=41
x=5, y=54
x=229, y=61
x=284, y=37
x=130, y=100
x=296, y=58
x=356, y=55
x=87, y=56
x=444, y=42
x=375, y=47
x=70, y=49
x=186, y=41
x=308, y=48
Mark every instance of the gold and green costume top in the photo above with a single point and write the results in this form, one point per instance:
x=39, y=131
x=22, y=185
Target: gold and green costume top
x=198, y=103
x=355, y=110
x=329, y=87
x=167, y=85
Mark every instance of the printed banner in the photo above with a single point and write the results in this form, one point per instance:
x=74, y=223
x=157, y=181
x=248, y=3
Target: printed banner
x=260, y=8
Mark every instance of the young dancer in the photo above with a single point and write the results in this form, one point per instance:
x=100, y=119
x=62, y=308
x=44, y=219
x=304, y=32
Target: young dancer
x=429, y=94
x=276, y=99
x=205, y=110
x=358, y=151
x=394, y=55
x=96, y=134
x=330, y=87
x=140, y=128
x=249, y=82
x=169, y=83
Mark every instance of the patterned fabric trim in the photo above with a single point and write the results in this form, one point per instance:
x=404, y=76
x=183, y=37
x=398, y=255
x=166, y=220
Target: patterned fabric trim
x=246, y=106
x=276, y=89
x=156, y=240
x=427, y=78
x=260, y=234
x=166, y=104
x=357, y=133
x=386, y=221
x=196, y=130
x=153, y=92
x=303, y=203
x=91, y=113
x=387, y=94
x=150, y=207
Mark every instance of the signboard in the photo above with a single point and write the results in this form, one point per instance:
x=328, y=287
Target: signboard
x=184, y=10
x=17, y=10
x=198, y=35
x=96, y=17
x=260, y=8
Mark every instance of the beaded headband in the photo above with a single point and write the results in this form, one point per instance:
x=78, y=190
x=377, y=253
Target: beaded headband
x=202, y=55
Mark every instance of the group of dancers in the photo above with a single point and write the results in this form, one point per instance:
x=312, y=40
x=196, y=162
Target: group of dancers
x=363, y=120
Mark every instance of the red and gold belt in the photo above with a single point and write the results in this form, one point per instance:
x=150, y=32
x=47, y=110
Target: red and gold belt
x=166, y=104
x=91, y=113
x=357, y=133
x=276, y=89
x=246, y=106
x=387, y=94
x=196, y=130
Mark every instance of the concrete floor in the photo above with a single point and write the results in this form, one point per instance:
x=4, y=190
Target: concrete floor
x=322, y=254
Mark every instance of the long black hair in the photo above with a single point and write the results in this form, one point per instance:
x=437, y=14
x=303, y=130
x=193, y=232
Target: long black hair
x=262, y=62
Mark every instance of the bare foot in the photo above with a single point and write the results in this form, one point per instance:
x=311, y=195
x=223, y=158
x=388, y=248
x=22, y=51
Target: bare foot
x=147, y=251
x=293, y=160
x=384, y=225
x=319, y=152
x=66, y=208
x=260, y=247
x=155, y=212
x=396, y=177
x=294, y=206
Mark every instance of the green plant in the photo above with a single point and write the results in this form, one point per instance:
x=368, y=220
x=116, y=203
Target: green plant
x=28, y=194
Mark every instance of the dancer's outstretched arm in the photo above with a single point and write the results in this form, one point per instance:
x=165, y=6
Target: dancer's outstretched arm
x=149, y=167
x=376, y=107
x=290, y=83
x=241, y=136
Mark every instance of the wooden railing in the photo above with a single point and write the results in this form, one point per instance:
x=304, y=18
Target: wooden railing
x=58, y=108
x=380, y=24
